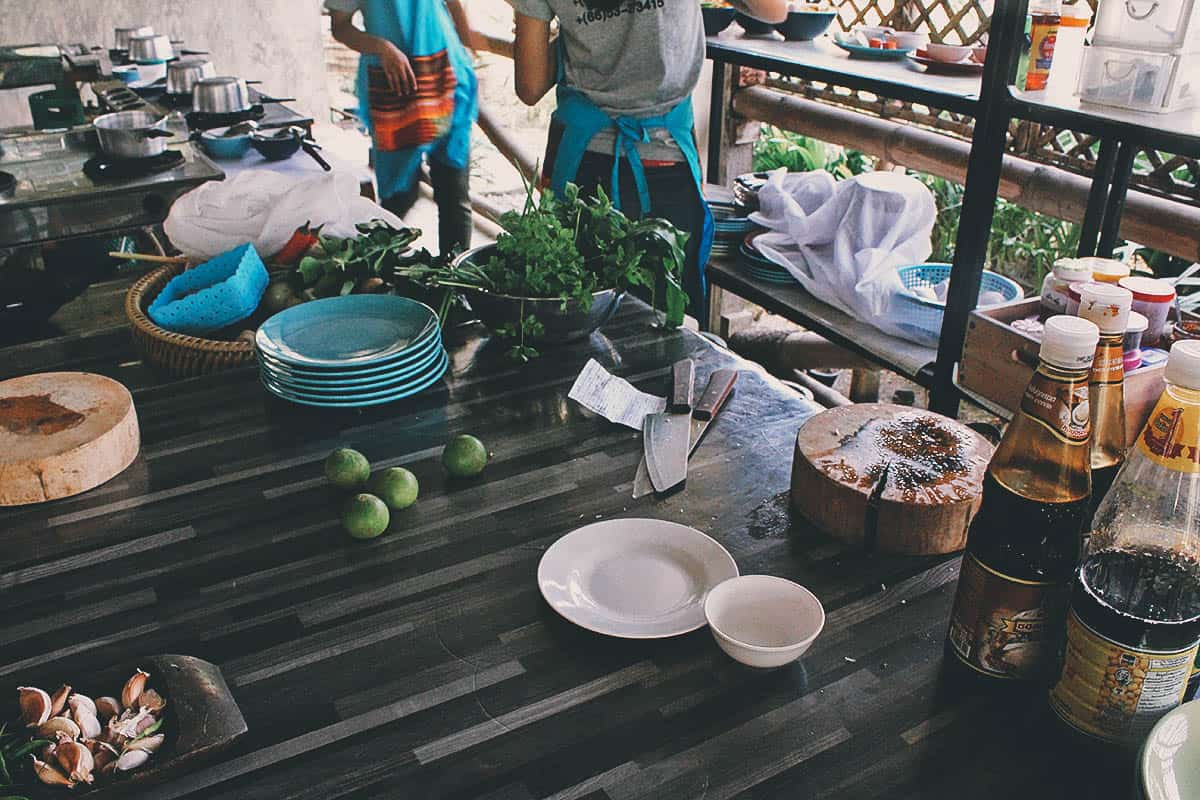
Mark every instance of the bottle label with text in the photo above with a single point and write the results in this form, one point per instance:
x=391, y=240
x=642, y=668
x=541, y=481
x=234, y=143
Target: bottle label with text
x=1061, y=406
x=1170, y=435
x=1003, y=626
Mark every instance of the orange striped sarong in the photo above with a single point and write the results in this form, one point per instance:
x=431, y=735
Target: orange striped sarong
x=404, y=121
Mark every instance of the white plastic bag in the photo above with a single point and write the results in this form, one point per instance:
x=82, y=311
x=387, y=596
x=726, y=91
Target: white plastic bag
x=265, y=208
x=845, y=241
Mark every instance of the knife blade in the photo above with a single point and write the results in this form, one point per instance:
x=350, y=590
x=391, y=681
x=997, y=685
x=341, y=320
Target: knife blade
x=716, y=392
x=666, y=437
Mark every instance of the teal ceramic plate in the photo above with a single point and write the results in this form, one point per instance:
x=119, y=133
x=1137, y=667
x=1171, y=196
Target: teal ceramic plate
x=355, y=330
x=876, y=53
x=418, y=352
x=371, y=383
x=364, y=400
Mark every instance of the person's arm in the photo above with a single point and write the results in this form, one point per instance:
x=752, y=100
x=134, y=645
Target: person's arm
x=394, y=63
x=765, y=10
x=534, y=62
x=461, y=24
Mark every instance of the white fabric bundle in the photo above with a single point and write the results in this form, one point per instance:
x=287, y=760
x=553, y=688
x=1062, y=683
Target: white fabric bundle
x=265, y=208
x=844, y=241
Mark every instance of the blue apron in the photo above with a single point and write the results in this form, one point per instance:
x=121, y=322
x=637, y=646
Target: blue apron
x=419, y=28
x=582, y=119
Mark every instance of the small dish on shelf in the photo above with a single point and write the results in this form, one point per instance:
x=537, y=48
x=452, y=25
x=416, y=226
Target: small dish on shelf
x=967, y=67
x=876, y=53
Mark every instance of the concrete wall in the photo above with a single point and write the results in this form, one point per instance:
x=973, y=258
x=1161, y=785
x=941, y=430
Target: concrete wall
x=276, y=41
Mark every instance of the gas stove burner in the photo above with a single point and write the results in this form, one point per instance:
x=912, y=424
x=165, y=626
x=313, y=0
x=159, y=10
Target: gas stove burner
x=203, y=120
x=102, y=167
x=121, y=98
x=8, y=184
x=171, y=100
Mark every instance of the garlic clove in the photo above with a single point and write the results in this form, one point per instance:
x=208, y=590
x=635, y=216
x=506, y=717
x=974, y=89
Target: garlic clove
x=89, y=725
x=107, y=708
x=35, y=705
x=49, y=752
x=148, y=743
x=49, y=774
x=151, y=701
x=58, y=725
x=58, y=700
x=78, y=701
x=76, y=760
x=132, y=759
x=133, y=688
x=104, y=755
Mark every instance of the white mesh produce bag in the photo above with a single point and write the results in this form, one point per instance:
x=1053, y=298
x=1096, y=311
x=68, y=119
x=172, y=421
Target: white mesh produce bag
x=844, y=241
x=265, y=208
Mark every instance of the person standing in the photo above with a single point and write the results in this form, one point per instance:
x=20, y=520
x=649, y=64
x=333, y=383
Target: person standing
x=419, y=96
x=625, y=71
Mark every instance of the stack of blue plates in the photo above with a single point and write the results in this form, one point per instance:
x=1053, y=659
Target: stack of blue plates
x=352, y=351
x=729, y=228
x=756, y=266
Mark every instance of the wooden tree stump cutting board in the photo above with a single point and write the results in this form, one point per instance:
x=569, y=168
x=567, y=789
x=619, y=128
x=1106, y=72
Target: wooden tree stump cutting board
x=62, y=433
x=888, y=477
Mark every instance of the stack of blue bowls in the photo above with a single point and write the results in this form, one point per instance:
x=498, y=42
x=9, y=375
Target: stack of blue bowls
x=352, y=351
x=760, y=268
x=730, y=226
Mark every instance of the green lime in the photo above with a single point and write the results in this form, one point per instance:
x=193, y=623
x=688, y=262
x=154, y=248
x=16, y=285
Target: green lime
x=365, y=516
x=396, y=486
x=346, y=468
x=464, y=456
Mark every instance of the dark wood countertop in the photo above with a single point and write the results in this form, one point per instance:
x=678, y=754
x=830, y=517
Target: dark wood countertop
x=425, y=664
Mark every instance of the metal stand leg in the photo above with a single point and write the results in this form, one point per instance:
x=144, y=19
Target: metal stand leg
x=1110, y=229
x=1093, y=217
x=716, y=119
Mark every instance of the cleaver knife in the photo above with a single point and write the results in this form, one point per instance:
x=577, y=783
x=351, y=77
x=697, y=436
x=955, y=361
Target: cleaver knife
x=666, y=436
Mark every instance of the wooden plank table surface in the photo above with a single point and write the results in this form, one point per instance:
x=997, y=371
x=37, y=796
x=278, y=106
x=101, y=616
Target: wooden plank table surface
x=425, y=664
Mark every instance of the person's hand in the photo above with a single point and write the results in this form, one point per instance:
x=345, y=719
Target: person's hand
x=398, y=70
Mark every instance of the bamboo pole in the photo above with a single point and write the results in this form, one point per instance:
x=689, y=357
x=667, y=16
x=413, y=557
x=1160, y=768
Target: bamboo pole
x=1152, y=221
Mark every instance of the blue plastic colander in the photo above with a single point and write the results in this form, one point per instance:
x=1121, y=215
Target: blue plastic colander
x=922, y=317
x=213, y=295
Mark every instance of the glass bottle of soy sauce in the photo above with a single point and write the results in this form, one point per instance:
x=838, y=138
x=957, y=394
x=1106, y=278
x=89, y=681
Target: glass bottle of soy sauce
x=1024, y=543
x=1107, y=306
x=1134, y=623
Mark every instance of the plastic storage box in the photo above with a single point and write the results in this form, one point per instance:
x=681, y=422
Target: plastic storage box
x=1140, y=80
x=1148, y=24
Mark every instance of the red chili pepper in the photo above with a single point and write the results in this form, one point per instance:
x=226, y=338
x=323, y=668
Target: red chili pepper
x=300, y=243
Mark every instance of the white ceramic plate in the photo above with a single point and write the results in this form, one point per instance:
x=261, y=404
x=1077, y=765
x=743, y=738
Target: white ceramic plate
x=634, y=578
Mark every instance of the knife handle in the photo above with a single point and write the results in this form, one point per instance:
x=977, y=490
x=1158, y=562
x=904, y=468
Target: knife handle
x=720, y=384
x=683, y=376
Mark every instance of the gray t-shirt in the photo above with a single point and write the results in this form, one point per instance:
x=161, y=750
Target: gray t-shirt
x=639, y=60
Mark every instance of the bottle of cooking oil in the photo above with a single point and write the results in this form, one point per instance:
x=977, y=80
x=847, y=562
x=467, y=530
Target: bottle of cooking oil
x=1024, y=543
x=1108, y=307
x=1134, y=621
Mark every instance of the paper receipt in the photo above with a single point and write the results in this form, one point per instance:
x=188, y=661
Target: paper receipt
x=613, y=398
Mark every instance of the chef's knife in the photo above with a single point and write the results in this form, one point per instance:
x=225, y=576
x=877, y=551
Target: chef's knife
x=666, y=436
x=720, y=386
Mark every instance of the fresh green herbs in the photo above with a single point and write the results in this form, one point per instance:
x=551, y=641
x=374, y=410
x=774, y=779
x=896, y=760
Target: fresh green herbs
x=336, y=266
x=14, y=753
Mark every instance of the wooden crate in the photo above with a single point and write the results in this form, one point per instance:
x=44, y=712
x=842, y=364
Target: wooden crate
x=998, y=361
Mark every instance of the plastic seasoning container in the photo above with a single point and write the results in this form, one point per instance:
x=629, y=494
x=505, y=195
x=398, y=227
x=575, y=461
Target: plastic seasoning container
x=1068, y=49
x=1132, y=345
x=1073, y=297
x=1154, y=298
x=1106, y=270
x=1046, y=15
x=1185, y=329
x=1056, y=285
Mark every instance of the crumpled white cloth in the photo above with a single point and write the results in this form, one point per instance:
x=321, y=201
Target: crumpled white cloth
x=265, y=208
x=844, y=241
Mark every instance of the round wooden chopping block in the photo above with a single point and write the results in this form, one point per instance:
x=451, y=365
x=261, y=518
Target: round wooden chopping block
x=887, y=477
x=62, y=433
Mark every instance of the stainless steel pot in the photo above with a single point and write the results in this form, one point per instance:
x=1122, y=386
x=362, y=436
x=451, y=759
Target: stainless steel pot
x=151, y=49
x=123, y=35
x=221, y=95
x=132, y=134
x=184, y=73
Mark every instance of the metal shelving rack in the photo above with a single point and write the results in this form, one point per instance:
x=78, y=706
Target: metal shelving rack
x=993, y=101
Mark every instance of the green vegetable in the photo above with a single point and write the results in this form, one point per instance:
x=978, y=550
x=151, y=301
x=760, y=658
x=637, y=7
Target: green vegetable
x=334, y=266
x=566, y=248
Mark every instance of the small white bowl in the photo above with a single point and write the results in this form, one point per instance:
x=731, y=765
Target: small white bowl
x=910, y=40
x=763, y=621
x=949, y=53
x=875, y=31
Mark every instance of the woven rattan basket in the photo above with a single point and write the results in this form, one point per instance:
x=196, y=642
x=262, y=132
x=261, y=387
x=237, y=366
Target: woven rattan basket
x=178, y=353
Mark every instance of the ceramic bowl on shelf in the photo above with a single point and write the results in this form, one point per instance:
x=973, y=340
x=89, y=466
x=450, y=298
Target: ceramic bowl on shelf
x=716, y=18
x=752, y=26
x=763, y=621
x=801, y=26
x=223, y=147
x=914, y=40
x=979, y=53
x=950, y=53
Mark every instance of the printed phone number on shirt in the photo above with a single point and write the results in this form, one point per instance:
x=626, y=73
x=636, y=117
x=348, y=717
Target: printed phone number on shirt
x=593, y=15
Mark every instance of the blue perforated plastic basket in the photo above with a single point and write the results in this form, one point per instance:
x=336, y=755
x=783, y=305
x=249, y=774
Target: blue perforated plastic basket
x=213, y=295
x=922, y=317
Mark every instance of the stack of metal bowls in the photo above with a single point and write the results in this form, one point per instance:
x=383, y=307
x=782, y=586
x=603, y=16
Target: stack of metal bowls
x=122, y=36
x=151, y=48
x=221, y=95
x=184, y=73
